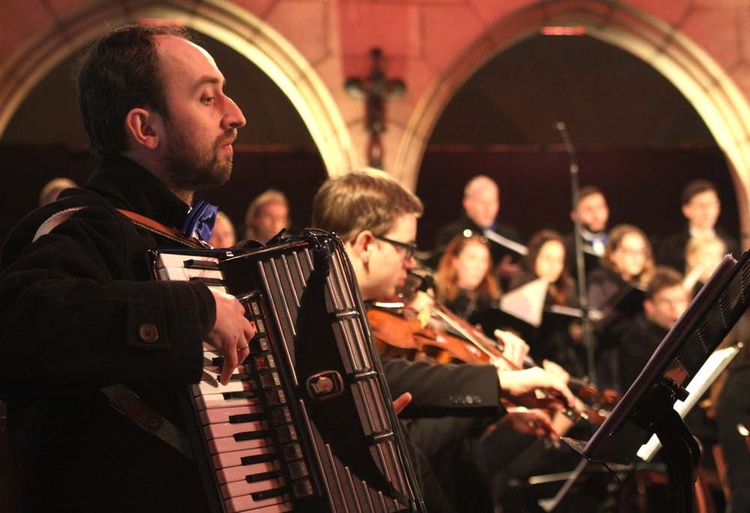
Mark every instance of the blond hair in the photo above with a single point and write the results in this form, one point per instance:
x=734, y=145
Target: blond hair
x=366, y=199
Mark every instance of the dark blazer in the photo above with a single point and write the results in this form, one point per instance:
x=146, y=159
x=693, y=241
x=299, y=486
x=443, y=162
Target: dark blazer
x=78, y=311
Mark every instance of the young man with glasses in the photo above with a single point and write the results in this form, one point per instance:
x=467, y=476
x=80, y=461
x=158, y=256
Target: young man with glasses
x=377, y=220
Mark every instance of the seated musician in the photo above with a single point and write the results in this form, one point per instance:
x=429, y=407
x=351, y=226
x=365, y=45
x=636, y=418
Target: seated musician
x=377, y=220
x=80, y=313
x=628, y=259
x=627, y=346
x=464, y=282
x=557, y=340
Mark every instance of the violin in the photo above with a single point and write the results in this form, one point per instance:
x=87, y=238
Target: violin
x=398, y=333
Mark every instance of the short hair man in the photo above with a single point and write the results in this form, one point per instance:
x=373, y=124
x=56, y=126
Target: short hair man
x=377, y=220
x=79, y=311
x=481, y=204
x=635, y=339
x=593, y=212
x=701, y=208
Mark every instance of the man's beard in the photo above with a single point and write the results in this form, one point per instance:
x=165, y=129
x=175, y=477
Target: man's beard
x=193, y=169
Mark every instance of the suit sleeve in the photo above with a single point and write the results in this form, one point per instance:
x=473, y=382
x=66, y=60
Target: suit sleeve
x=444, y=389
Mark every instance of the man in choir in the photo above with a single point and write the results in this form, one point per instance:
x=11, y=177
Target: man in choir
x=377, y=221
x=632, y=341
x=223, y=235
x=481, y=204
x=593, y=213
x=701, y=208
x=94, y=354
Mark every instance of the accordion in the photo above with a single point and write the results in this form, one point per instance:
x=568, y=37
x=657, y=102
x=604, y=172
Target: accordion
x=307, y=422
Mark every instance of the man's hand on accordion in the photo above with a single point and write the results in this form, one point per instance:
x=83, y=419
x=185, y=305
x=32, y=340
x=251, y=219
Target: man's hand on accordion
x=231, y=333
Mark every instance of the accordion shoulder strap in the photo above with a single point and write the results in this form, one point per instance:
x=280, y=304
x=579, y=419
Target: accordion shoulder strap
x=137, y=219
x=162, y=229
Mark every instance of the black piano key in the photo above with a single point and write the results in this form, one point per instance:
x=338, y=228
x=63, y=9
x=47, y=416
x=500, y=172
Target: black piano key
x=263, y=476
x=239, y=395
x=259, y=458
x=252, y=435
x=247, y=417
x=209, y=265
x=269, y=494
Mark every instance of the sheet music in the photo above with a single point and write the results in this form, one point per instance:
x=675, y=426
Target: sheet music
x=711, y=370
x=526, y=302
x=504, y=241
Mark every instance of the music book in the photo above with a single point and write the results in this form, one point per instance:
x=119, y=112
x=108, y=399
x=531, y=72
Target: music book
x=675, y=363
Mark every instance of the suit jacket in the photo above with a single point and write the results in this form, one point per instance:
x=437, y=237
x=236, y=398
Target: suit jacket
x=78, y=312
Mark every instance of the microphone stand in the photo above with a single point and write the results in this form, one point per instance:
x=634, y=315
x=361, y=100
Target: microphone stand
x=583, y=297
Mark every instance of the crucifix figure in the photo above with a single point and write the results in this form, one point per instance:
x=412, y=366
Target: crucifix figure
x=375, y=90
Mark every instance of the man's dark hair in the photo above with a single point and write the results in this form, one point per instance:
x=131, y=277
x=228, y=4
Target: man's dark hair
x=588, y=190
x=118, y=73
x=696, y=187
x=664, y=278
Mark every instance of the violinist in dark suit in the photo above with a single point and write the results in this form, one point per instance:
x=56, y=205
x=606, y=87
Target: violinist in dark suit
x=377, y=220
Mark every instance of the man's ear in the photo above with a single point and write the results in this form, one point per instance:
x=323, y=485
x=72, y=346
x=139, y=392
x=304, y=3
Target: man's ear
x=648, y=308
x=144, y=128
x=362, y=245
x=686, y=211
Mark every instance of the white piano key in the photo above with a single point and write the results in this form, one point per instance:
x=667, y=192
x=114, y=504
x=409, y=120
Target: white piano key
x=242, y=488
x=229, y=444
x=234, y=458
x=226, y=429
x=226, y=414
x=242, y=504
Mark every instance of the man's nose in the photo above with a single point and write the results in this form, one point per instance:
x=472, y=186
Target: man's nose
x=233, y=117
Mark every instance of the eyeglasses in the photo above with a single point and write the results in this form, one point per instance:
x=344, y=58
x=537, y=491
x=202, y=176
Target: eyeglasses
x=409, y=249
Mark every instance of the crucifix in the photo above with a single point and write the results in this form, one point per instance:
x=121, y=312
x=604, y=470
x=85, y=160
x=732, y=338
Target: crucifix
x=375, y=90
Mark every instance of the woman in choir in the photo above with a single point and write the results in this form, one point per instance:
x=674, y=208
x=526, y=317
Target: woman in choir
x=628, y=260
x=464, y=282
x=546, y=260
x=559, y=337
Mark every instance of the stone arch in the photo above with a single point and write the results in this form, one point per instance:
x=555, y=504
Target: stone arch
x=228, y=24
x=696, y=75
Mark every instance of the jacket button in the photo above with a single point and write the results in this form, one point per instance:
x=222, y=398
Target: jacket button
x=469, y=399
x=148, y=333
x=477, y=399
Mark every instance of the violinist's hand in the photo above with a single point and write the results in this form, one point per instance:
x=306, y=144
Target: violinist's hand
x=515, y=348
x=530, y=422
x=556, y=370
x=231, y=333
x=535, y=388
x=401, y=402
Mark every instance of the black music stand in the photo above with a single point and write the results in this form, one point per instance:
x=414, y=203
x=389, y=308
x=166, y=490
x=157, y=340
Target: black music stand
x=648, y=406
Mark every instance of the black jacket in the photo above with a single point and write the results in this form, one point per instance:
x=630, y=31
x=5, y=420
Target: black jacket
x=77, y=312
